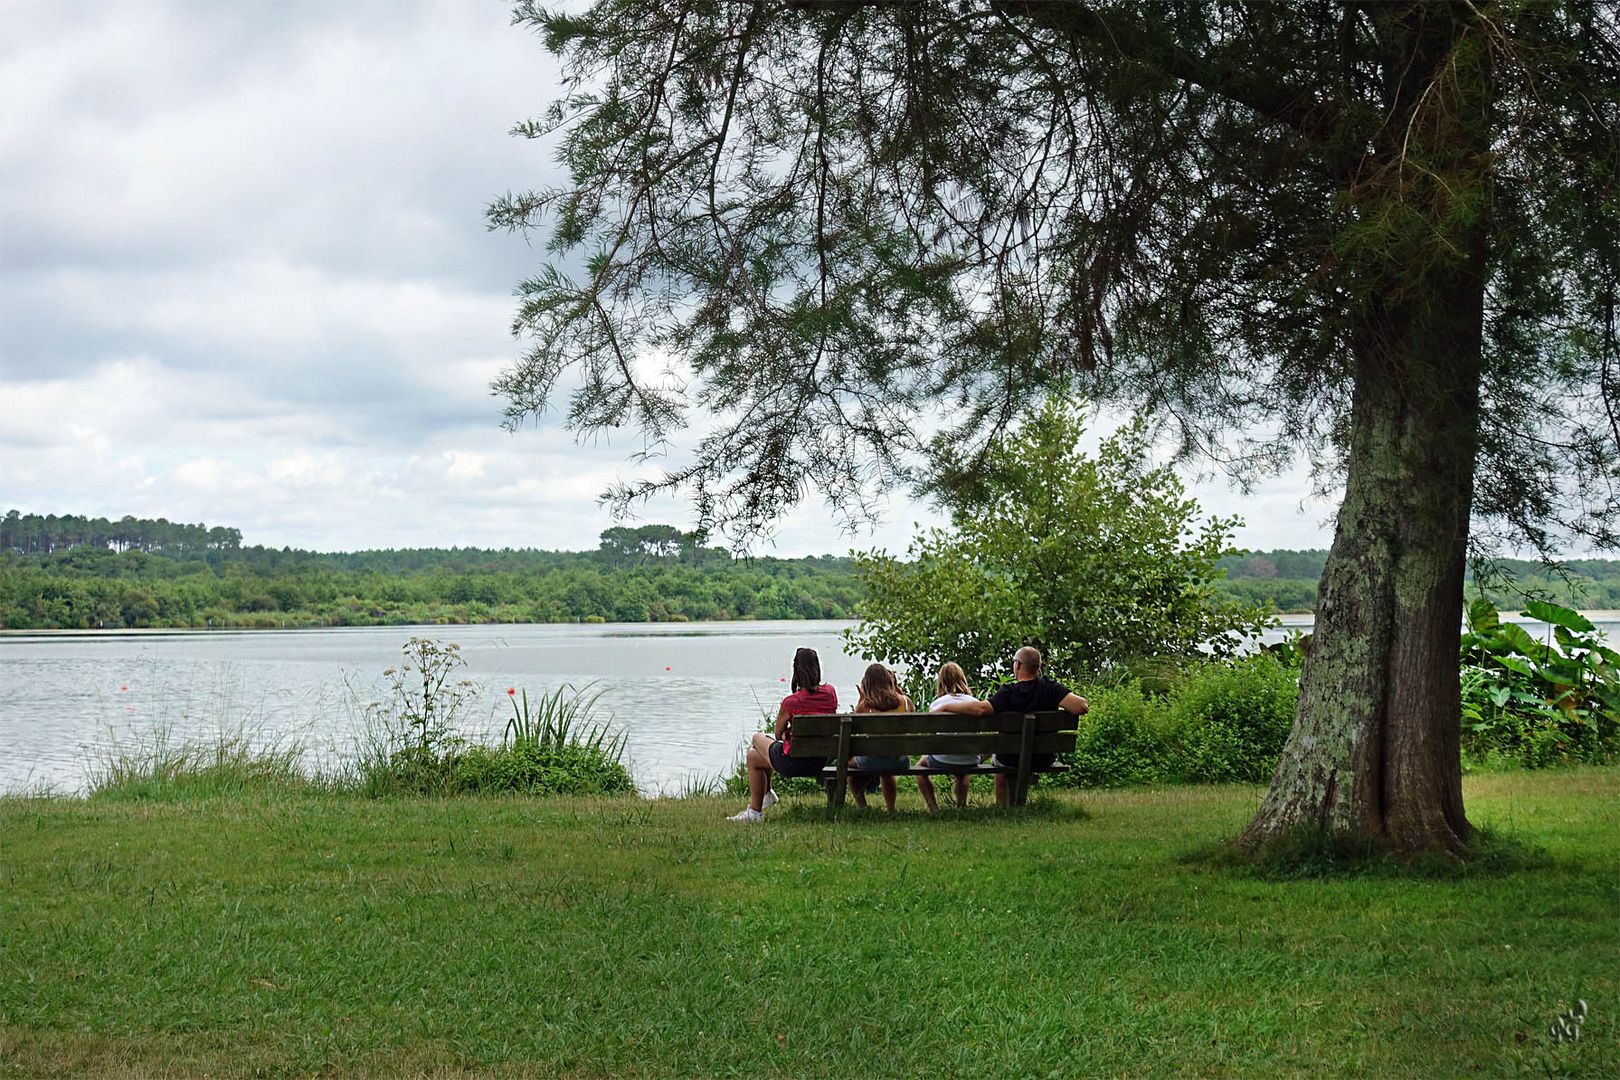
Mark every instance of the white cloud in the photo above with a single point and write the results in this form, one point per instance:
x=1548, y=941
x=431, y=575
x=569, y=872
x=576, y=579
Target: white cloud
x=244, y=280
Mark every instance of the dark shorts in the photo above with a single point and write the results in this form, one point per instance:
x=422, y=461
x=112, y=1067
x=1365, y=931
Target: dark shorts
x=1010, y=761
x=795, y=766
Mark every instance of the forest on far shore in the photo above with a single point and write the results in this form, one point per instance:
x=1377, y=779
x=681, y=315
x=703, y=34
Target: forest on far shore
x=71, y=572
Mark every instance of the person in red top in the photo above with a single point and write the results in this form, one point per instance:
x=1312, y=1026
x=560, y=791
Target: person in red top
x=769, y=754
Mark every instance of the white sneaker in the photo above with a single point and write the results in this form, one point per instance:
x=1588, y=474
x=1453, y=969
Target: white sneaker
x=748, y=813
x=768, y=801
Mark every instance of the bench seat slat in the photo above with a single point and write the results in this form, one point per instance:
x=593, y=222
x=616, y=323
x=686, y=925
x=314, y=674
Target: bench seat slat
x=1052, y=742
x=981, y=769
x=813, y=724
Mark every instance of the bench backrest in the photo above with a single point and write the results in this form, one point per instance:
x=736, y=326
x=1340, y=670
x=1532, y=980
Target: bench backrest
x=893, y=734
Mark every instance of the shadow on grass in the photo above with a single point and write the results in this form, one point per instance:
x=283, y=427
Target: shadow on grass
x=1313, y=854
x=1038, y=808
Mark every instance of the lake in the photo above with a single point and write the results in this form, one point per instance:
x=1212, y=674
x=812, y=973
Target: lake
x=686, y=695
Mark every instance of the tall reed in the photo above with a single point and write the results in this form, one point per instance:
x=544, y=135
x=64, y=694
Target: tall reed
x=563, y=717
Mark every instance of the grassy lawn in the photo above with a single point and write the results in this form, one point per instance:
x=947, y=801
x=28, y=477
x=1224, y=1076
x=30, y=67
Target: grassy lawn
x=287, y=933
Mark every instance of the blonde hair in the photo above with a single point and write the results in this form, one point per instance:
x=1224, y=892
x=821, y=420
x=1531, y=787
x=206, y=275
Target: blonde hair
x=952, y=679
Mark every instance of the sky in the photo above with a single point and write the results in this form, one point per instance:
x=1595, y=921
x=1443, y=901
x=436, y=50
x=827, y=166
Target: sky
x=245, y=280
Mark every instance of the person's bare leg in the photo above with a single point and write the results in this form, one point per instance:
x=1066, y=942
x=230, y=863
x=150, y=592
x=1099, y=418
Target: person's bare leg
x=759, y=778
x=960, y=784
x=762, y=744
x=925, y=786
x=1001, y=789
x=857, y=785
x=890, y=790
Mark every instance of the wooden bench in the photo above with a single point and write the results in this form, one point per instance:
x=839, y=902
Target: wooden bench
x=839, y=735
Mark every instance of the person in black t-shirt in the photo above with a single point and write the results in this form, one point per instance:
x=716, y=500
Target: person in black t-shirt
x=1029, y=692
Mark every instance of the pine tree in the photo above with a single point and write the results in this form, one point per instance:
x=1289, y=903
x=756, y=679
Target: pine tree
x=867, y=234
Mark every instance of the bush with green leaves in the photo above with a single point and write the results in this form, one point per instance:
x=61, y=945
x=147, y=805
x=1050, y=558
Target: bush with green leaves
x=1123, y=741
x=1228, y=723
x=1538, y=703
x=1096, y=560
x=1220, y=722
x=536, y=768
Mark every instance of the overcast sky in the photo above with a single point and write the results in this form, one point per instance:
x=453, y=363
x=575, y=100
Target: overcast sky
x=244, y=280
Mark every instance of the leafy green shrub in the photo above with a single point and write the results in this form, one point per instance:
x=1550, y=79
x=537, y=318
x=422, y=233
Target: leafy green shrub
x=532, y=768
x=410, y=769
x=1229, y=722
x=1122, y=740
x=1097, y=561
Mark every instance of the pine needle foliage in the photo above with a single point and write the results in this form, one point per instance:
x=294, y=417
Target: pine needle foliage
x=859, y=237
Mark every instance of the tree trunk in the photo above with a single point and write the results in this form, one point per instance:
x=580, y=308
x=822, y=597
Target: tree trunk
x=1374, y=753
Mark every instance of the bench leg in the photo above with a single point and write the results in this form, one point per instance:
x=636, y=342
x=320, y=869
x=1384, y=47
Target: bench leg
x=1026, y=750
x=841, y=783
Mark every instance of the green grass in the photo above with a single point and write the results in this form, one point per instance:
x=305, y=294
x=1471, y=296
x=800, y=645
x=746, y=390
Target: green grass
x=287, y=933
x=231, y=764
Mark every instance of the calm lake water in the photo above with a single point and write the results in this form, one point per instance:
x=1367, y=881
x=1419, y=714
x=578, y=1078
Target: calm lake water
x=686, y=695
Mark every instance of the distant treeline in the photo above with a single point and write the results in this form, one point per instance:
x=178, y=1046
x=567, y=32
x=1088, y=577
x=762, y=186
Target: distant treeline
x=69, y=577
x=33, y=534
x=70, y=572
x=1287, y=579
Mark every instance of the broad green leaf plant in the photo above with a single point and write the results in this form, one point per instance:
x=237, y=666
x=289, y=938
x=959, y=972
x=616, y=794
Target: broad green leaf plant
x=1536, y=702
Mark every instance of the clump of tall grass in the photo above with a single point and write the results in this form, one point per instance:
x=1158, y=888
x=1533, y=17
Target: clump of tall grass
x=410, y=744
x=564, y=717
x=164, y=768
x=554, y=746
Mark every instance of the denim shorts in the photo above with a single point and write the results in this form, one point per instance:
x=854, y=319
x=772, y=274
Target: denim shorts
x=872, y=767
x=931, y=762
x=864, y=764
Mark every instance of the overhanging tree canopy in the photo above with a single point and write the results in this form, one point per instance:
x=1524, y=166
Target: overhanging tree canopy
x=1386, y=233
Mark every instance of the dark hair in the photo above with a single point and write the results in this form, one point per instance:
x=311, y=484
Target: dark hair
x=806, y=670
x=880, y=691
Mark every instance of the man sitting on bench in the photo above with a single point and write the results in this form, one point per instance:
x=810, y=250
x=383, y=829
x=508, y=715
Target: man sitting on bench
x=1030, y=692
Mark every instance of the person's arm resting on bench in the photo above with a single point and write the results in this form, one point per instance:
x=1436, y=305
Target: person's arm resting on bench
x=968, y=708
x=1071, y=703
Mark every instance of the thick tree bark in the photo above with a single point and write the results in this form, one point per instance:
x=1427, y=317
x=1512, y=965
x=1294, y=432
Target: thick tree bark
x=1374, y=753
x=1375, y=749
